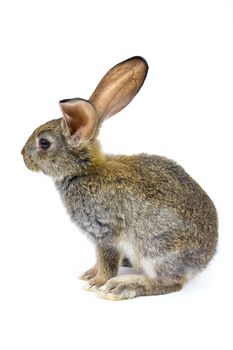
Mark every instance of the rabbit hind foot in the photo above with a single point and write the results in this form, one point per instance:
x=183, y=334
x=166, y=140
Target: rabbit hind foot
x=131, y=286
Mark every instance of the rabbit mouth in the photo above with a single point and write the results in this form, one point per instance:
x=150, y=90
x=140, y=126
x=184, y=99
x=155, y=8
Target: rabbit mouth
x=30, y=164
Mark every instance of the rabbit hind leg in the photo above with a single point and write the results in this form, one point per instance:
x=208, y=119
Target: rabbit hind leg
x=131, y=286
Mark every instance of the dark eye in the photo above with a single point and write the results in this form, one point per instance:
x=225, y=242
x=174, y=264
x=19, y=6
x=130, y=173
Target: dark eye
x=44, y=143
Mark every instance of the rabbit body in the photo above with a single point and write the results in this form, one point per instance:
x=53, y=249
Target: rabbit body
x=142, y=210
x=149, y=210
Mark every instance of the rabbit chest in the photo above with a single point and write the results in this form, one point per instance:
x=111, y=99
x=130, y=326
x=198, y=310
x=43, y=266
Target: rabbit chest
x=87, y=208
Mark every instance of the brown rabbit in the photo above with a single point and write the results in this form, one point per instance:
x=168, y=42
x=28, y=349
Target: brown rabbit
x=142, y=210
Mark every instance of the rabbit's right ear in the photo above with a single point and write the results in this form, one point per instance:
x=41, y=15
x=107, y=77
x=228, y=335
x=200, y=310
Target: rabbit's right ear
x=119, y=86
x=81, y=118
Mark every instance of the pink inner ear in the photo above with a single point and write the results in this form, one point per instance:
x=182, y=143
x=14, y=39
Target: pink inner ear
x=69, y=122
x=80, y=116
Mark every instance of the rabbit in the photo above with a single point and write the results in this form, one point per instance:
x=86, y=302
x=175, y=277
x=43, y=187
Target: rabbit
x=142, y=210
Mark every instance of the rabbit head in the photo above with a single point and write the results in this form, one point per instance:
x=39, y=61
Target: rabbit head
x=68, y=145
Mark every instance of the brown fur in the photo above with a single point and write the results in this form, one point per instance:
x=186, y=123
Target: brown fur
x=143, y=211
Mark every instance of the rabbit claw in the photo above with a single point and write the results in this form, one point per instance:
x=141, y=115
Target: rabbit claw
x=94, y=284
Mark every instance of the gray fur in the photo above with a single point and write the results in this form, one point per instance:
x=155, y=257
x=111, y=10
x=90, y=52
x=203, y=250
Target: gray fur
x=143, y=211
x=125, y=210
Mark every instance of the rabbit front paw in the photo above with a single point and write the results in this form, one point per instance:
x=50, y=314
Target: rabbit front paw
x=95, y=283
x=89, y=274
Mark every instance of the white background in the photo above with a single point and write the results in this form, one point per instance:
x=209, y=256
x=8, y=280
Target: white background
x=60, y=49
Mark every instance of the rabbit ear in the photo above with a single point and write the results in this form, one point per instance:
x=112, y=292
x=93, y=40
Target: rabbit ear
x=119, y=86
x=81, y=117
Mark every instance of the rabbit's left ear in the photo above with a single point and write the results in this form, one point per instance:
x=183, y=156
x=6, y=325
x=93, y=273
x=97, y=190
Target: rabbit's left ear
x=81, y=118
x=119, y=86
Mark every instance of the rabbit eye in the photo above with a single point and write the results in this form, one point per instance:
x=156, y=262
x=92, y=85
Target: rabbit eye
x=44, y=143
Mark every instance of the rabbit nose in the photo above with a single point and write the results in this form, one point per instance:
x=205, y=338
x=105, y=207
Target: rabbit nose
x=23, y=151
